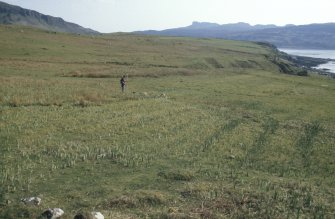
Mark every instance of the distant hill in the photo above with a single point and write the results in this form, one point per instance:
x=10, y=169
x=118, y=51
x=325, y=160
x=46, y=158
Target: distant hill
x=313, y=36
x=205, y=29
x=10, y=14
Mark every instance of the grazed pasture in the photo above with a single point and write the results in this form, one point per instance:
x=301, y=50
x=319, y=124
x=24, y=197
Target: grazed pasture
x=205, y=129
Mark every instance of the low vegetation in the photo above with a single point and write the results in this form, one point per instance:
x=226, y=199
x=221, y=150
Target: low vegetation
x=206, y=129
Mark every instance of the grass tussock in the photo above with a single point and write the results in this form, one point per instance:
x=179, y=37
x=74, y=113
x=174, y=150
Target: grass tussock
x=138, y=199
x=177, y=175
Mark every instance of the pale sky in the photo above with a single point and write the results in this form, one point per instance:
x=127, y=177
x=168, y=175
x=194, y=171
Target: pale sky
x=130, y=15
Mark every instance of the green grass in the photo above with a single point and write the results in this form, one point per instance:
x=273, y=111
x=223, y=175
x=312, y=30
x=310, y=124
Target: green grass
x=205, y=129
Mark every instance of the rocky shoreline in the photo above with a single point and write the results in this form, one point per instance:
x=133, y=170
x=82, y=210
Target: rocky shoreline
x=309, y=63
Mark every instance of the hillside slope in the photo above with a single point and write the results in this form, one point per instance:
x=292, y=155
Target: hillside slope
x=108, y=55
x=10, y=14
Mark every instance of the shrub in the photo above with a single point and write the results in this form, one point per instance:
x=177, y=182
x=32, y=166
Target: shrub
x=302, y=73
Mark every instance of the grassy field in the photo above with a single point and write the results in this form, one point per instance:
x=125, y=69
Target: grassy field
x=206, y=129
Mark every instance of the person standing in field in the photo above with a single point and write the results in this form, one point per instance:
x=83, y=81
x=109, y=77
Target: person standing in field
x=123, y=83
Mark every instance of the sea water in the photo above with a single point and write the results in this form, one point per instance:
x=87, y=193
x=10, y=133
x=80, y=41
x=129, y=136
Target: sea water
x=324, y=54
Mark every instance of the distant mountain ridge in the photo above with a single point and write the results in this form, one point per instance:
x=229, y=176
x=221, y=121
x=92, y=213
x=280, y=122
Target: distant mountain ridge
x=11, y=14
x=312, y=36
x=206, y=29
x=241, y=26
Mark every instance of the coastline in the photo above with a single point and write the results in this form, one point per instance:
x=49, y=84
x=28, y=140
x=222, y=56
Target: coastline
x=312, y=62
